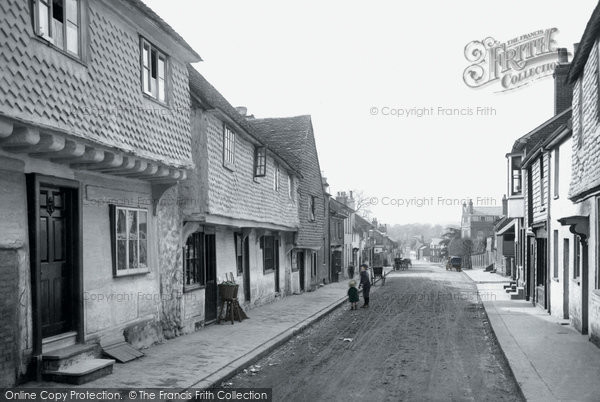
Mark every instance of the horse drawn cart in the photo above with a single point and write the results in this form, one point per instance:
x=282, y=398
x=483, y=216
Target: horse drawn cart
x=378, y=273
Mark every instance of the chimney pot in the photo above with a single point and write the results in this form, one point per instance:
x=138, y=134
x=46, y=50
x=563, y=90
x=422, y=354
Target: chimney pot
x=243, y=110
x=563, y=56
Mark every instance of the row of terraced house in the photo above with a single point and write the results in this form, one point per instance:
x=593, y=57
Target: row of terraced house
x=547, y=241
x=130, y=187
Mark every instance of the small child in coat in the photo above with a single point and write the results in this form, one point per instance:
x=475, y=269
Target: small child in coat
x=353, y=295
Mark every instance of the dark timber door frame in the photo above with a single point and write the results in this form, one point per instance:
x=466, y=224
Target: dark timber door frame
x=73, y=208
x=210, y=293
x=246, y=265
x=300, y=260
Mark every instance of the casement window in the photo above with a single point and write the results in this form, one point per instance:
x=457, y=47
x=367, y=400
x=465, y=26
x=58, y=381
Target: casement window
x=313, y=265
x=270, y=249
x=129, y=232
x=228, y=147
x=276, y=178
x=260, y=162
x=154, y=72
x=198, y=258
x=59, y=22
x=556, y=173
x=311, y=207
x=566, y=256
x=239, y=253
x=515, y=177
x=290, y=184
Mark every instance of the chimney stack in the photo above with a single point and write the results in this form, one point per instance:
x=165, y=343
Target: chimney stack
x=504, y=205
x=243, y=110
x=563, y=90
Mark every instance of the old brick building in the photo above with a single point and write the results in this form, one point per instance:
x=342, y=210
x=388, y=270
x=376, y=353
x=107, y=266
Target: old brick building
x=293, y=138
x=94, y=128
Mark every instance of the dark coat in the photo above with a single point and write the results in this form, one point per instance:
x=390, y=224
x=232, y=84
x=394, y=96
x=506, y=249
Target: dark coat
x=365, y=281
x=353, y=295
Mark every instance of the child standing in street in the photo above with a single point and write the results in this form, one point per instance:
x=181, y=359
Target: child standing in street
x=353, y=295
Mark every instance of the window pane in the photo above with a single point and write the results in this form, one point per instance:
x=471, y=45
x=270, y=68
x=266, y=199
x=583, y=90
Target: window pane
x=57, y=33
x=153, y=62
x=133, y=254
x=146, y=79
x=72, y=38
x=145, y=51
x=121, y=255
x=161, y=89
x=161, y=67
x=121, y=225
x=57, y=10
x=43, y=19
x=72, y=11
x=143, y=230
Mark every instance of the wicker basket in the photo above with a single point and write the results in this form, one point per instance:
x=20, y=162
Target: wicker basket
x=228, y=292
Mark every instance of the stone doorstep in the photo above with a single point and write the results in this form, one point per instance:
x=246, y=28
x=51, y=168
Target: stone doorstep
x=63, y=358
x=81, y=372
x=59, y=341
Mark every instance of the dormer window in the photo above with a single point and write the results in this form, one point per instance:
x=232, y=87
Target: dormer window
x=154, y=72
x=58, y=22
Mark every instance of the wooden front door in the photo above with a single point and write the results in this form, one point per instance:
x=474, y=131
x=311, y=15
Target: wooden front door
x=56, y=248
x=246, y=265
x=210, y=294
x=336, y=265
x=301, y=268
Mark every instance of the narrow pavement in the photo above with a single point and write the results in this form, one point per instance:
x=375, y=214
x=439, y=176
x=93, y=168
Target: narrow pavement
x=425, y=337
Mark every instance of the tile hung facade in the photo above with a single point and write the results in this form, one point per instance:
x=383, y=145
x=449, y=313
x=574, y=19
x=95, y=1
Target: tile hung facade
x=225, y=197
x=293, y=138
x=86, y=157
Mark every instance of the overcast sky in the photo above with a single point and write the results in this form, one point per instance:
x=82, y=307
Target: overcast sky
x=337, y=60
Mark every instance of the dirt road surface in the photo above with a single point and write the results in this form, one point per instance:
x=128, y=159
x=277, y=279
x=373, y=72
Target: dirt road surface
x=425, y=338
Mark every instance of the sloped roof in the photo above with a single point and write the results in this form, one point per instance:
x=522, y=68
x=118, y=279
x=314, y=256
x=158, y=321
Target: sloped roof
x=533, y=139
x=362, y=222
x=592, y=31
x=211, y=97
x=287, y=135
x=148, y=12
x=338, y=208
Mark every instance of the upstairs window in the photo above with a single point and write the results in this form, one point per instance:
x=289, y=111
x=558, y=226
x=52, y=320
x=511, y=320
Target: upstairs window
x=542, y=183
x=228, y=147
x=260, y=162
x=515, y=185
x=58, y=22
x=556, y=173
x=290, y=182
x=311, y=208
x=154, y=72
x=277, y=178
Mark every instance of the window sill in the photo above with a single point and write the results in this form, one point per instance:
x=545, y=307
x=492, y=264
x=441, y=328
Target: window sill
x=270, y=271
x=151, y=98
x=51, y=45
x=555, y=279
x=229, y=166
x=137, y=272
x=191, y=288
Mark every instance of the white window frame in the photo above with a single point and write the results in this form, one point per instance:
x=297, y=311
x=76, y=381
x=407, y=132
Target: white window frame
x=276, y=178
x=60, y=40
x=154, y=87
x=115, y=239
x=228, y=147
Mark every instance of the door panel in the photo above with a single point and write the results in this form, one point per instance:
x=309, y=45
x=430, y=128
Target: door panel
x=210, y=306
x=300, y=262
x=246, y=263
x=56, y=250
